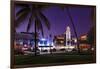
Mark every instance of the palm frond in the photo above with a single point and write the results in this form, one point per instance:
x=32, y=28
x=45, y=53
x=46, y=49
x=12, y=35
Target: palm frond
x=62, y=7
x=42, y=7
x=19, y=13
x=39, y=25
x=22, y=5
x=30, y=22
x=44, y=18
x=22, y=17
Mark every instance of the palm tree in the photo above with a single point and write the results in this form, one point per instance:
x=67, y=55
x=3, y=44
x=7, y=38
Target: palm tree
x=72, y=22
x=74, y=28
x=33, y=13
x=92, y=32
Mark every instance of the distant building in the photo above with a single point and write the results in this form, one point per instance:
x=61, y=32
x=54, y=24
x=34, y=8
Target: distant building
x=84, y=46
x=24, y=38
x=68, y=36
x=45, y=42
x=83, y=37
x=65, y=39
x=59, y=40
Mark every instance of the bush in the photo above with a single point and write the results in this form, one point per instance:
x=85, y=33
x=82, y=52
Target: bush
x=18, y=52
x=53, y=50
x=63, y=49
x=44, y=50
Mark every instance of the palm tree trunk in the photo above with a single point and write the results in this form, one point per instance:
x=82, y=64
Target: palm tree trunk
x=50, y=49
x=50, y=43
x=74, y=29
x=35, y=40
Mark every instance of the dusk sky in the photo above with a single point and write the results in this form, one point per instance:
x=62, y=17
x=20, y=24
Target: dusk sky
x=59, y=20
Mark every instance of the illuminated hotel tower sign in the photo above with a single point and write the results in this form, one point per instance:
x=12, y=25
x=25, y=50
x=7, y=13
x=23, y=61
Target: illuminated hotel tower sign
x=68, y=36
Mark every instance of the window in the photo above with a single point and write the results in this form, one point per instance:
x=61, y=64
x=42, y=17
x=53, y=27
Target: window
x=41, y=42
x=45, y=42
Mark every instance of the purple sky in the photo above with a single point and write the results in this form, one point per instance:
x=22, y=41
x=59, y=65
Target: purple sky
x=59, y=20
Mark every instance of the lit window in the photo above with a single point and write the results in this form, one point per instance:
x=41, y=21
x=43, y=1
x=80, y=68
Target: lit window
x=41, y=42
x=45, y=42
